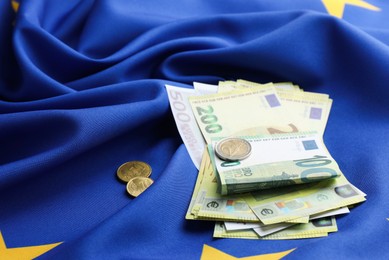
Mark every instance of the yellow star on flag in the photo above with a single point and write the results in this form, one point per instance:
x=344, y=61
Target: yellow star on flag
x=15, y=5
x=21, y=253
x=210, y=253
x=336, y=7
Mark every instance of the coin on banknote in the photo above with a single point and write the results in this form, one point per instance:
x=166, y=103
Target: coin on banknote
x=233, y=149
x=132, y=169
x=138, y=185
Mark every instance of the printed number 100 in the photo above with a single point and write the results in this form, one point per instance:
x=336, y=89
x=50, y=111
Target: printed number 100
x=209, y=119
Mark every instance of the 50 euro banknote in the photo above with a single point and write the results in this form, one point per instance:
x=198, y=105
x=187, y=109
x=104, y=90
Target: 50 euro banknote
x=207, y=204
x=291, y=202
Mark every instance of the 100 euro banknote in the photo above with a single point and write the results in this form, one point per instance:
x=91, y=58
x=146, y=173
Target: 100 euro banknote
x=275, y=161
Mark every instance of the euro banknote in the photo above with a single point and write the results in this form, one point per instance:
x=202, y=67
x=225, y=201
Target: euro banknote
x=278, y=85
x=311, y=108
x=233, y=226
x=285, y=126
x=315, y=228
x=275, y=161
x=185, y=121
x=261, y=229
x=229, y=113
x=204, y=89
x=311, y=112
x=205, y=163
x=292, y=202
x=208, y=204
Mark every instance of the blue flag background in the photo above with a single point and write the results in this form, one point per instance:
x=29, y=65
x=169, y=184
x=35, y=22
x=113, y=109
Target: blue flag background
x=82, y=91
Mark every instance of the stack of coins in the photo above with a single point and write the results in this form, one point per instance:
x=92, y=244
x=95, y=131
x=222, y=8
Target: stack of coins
x=136, y=174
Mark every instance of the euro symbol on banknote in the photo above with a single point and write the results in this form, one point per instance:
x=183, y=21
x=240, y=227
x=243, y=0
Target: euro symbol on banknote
x=265, y=212
x=213, y=204
x=322, y=197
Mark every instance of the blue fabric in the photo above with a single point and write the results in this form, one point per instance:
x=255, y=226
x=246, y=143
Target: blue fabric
x=82, y=91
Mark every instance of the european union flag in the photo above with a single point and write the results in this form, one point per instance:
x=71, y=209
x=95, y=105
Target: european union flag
x=82, y=90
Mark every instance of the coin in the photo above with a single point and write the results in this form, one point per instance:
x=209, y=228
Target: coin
x=233, y=149
x=138, y=185
x=132, y=169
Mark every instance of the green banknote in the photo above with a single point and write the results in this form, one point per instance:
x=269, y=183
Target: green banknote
x=284, y=204
x=275, y=161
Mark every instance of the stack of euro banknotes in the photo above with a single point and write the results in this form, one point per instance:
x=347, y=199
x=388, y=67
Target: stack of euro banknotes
x=287, y=186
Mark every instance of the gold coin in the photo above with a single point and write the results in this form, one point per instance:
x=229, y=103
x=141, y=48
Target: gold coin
x=138, y=185
x=132, y=169
x=233, y=149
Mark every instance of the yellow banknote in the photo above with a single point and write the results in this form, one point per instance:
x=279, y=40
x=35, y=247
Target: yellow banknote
x=207, y=203
x=205, y=162
x=241, y=83
x=284, y=204
x=312, y=108
x=228, y=113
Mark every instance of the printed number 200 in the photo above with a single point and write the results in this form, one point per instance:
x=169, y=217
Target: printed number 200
x=209, y=119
